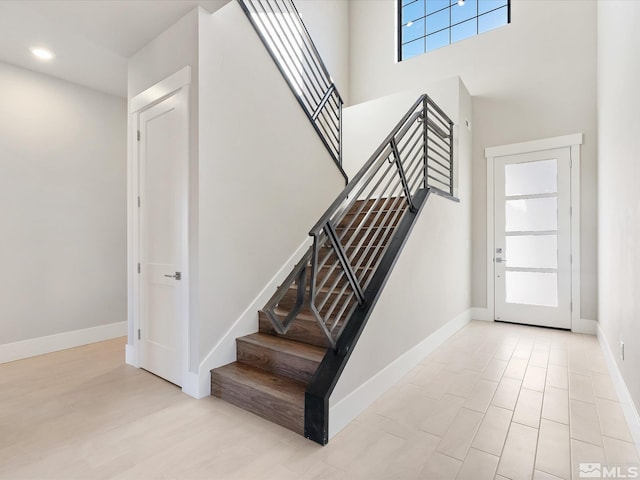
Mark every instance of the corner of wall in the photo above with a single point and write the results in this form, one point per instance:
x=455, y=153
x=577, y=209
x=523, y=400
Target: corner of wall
x=629, y=408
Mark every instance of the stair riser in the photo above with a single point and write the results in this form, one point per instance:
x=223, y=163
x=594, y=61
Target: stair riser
x=284, y=414
x=305, y=331
x=281, y=363
x=320, y=299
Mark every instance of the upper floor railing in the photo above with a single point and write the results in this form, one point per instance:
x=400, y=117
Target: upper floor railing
x=350, y=240
x=285, y=36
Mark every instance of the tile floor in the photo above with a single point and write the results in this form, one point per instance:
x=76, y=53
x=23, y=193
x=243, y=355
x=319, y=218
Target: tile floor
x=508, y=401
x=495, y=401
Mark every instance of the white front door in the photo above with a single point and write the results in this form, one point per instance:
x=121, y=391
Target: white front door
x=532, y=240
x=163, y=226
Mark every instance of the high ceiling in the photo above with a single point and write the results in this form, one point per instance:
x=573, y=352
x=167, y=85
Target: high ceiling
x=91, y=39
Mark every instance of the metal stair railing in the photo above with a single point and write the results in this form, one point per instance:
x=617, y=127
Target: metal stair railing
x=417, y=155
x=287, y=40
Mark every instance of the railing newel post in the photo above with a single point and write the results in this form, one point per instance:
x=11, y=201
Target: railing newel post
x=425, y=133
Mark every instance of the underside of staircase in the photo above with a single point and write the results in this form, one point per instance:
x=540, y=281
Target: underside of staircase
x=272, y=370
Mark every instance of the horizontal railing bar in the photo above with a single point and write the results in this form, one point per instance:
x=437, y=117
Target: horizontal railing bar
x=431, y=113
x=379, y=212
x=410, y=122
x=418, y=131
x=339, y=276
x=439, y=181
x=435, y=106
x=416, y=172
x=372, y=241
x=376, y=257
x=279, y=46
x=328, y=295
x=437, y=130
x=303, y=30
x=323, y=102
x=362, y=187
x=382, y=177
x=432, y=168
x=330, y=136
x=442, y=142
x=329, y=119
x=437, y=152
x=341, y=312
x=412, y=152
x=335, y=303
x=293, y=26
x=446, y=166
x=335, y=141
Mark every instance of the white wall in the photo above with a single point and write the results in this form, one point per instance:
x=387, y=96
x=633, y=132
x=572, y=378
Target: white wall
x=618, y=180
x=328, y=25
x=62, y=205
x=172, y=50
x=366, y=125
x=264, y=175
x=430, y=286
x=532, y=79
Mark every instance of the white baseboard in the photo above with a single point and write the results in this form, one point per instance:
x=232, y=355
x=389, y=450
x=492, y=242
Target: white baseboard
x=584, y=325
x=10, y=352
x=343, y=412
x=191, y=385
x=480, y=313
x=225, y=350
x=628, y=407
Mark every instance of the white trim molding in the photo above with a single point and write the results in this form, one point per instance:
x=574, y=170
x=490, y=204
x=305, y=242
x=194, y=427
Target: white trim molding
x=534, y=145
x=178, y=84
x=247, y=323
x=343, y=412
x=481, y=313
x=161, y=89
x=584, y=325
x=573, y=142
x=32, y=347
x=626, y=402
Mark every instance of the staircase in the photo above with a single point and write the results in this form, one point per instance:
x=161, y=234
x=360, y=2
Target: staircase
x=287, y=371
x=273, y=370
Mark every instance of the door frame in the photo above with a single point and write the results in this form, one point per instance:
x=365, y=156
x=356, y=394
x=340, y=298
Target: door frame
x=573, y=142
x=178, y=83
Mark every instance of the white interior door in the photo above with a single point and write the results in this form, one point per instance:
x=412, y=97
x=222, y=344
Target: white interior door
x=532, y=241
x=163, y=210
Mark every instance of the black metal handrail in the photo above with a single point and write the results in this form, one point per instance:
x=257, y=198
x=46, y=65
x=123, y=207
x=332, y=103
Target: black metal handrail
x=287, y=40
x=417, y=156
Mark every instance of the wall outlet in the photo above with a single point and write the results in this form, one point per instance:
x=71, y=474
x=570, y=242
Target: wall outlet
x=621, y=350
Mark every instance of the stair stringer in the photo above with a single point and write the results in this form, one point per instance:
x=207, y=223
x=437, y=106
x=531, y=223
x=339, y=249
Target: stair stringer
x=326, y=377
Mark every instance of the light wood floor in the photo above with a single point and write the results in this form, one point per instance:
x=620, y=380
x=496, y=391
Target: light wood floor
x=496, y=401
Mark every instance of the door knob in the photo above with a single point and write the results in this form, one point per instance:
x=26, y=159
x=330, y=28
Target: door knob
x=500, y=260
x=177, y=276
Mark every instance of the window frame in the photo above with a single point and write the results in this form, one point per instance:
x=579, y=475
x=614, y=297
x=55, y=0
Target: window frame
x=399, y=26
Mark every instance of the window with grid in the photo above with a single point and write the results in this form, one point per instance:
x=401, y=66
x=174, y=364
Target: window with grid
x=424, y=25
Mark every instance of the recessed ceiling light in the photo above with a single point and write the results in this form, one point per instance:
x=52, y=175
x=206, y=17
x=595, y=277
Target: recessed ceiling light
x=42, y=53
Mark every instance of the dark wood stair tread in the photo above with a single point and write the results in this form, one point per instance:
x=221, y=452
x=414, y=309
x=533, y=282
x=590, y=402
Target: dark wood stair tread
x=304, y=329
x=274, y=397
x=290, y=347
